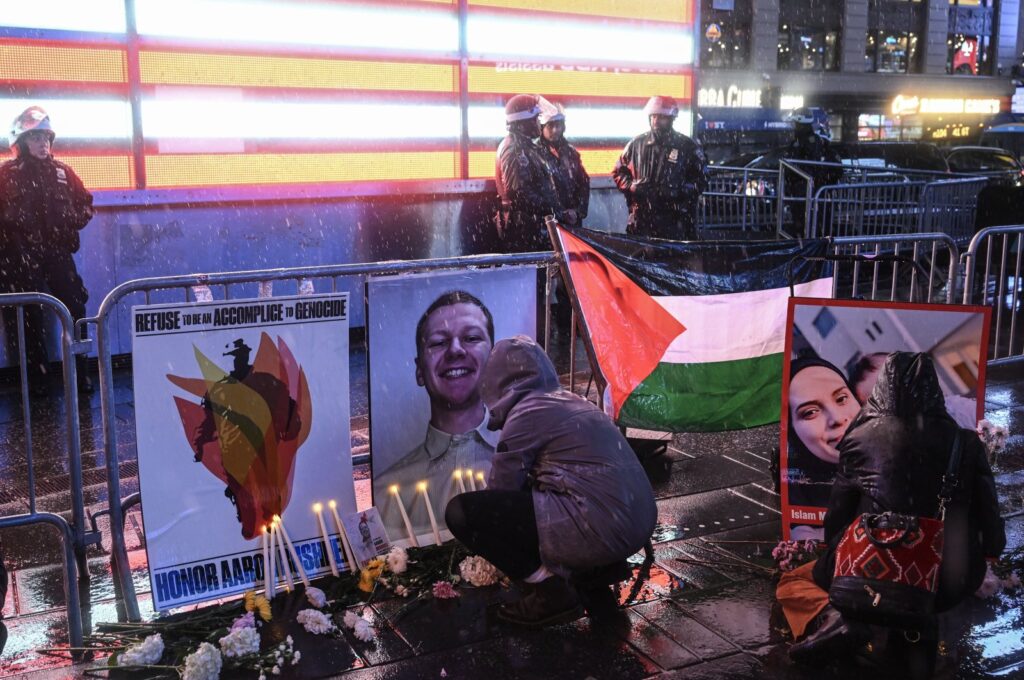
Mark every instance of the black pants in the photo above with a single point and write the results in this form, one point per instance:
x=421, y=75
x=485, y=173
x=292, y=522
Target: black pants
x=59, y=277
x=500, y=526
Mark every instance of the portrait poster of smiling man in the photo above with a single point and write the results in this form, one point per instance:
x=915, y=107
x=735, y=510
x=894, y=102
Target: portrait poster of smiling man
x=242, y=414
x=836, y=351
x=429, y=337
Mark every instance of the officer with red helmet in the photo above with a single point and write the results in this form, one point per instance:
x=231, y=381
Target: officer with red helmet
x=43, y=206
x=662, y=174
x=525, y=182
x=571, y=179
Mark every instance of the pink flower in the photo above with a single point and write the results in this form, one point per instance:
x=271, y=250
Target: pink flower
x=443, y=590
x=247, y=620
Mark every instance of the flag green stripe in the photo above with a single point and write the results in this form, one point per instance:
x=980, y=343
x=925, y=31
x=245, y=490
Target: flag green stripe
x=707, y=397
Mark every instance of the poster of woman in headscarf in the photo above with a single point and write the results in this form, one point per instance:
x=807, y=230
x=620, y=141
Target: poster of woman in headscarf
x=834, y=351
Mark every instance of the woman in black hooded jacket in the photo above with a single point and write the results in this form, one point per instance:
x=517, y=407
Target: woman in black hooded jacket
x=893, y=458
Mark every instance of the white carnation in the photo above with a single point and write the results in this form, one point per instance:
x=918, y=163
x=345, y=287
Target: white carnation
x=145, y=653
x=398, y=560
x=350, y=619
x=203, y=664
x=240, y=642
x=316, y=597
x=477, y=571
x=363, y=630
x=315, y=622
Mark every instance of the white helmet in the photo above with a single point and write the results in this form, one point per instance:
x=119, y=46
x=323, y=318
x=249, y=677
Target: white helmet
x=801, y=116
x=661, y=106
x=550, y=112
x=32, y=118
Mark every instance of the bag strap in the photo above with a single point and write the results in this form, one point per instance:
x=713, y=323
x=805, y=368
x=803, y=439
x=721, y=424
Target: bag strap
x=950, y=479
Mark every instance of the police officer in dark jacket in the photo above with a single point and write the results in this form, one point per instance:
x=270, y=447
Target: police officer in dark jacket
x=571, y=179
x=43, y=206
x=525, y=182
x=662, y=174
x=811, y=142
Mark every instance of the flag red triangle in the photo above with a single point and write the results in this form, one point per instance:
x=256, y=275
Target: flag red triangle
x=628, y=329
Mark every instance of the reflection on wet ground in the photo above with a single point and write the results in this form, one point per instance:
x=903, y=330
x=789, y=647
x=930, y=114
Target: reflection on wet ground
x=703, y=609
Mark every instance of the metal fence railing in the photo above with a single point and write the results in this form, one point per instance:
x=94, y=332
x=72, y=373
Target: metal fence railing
x=951, y=207
x=24, y=318
x=867, y=209
x=739, y=198
x=233, y=285
x=994, y=277
x=897, y=268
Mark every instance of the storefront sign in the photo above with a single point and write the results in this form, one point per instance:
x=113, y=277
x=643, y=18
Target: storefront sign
x=713, y=33
x=905, y=105
x=788, y=102
x=731, y=97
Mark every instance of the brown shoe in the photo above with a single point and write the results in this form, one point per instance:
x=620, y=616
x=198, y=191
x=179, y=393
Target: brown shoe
x=547, y=603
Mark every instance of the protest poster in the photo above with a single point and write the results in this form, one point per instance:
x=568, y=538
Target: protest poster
x=366, y=535
x=834, y=351
x=242, y=413
x=415, y=402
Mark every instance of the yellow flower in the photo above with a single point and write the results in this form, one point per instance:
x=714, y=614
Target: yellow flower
x=370, y=573
x=257, y=603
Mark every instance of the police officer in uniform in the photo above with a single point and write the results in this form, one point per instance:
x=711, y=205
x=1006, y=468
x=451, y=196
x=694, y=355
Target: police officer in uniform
x=662, y=174
x=571, y=179
x=526, y=185
x=811, y=142
x=43, y=206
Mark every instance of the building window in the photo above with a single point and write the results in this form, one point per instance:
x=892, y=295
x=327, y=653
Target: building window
x=809, y=35
x=969, y=41
x=725, y=39
x=892, y=39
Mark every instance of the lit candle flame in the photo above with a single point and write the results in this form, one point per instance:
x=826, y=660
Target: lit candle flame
x=318, y=507
x=393, y=489
x=331, y=504
x=421, y=486
x=458, y=473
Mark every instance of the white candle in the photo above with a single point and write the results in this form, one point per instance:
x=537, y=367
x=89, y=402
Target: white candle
x=286, y=572
x=295, y=555
x=469, y=476
x=405, y=516
x=343, y=537
x=458, y=480
x=318, y=508
x=422, y=486
x=268, y=564
x=480, y=483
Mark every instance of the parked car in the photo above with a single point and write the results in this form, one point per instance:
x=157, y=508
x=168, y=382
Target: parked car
x=892, y=155
x=1001, y=166
x=1009, y=136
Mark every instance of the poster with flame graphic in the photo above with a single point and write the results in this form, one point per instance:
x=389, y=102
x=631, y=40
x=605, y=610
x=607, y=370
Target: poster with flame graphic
x=242, y=414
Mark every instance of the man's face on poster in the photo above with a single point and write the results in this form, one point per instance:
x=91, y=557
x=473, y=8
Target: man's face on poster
x=452, y=353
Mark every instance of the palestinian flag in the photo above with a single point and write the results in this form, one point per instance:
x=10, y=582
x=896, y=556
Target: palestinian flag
x=689, y=336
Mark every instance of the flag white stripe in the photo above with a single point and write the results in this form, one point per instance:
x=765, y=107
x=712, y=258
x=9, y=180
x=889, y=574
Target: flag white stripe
x=733, y=326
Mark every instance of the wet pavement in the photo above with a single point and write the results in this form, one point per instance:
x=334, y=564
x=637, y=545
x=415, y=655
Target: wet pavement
x=706, y=611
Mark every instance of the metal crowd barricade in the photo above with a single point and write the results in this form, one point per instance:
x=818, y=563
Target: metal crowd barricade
x=951, y=206
x=205, y=284
x=993, y=277
x=866, y=209
x=73, y=535
x=738, y=198
x=874, y=271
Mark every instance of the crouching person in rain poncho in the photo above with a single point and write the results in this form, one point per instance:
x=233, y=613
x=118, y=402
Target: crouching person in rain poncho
x=566, y=500
x=892, y=459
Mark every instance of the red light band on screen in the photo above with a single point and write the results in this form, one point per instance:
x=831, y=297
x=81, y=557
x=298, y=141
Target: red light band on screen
x=651, y=10
x=193, y=170
x=502, y=80
x=189, y=68
x=47, y=63
x=598, y=162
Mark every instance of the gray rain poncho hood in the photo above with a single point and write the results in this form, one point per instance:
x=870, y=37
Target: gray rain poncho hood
x=592, y=499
